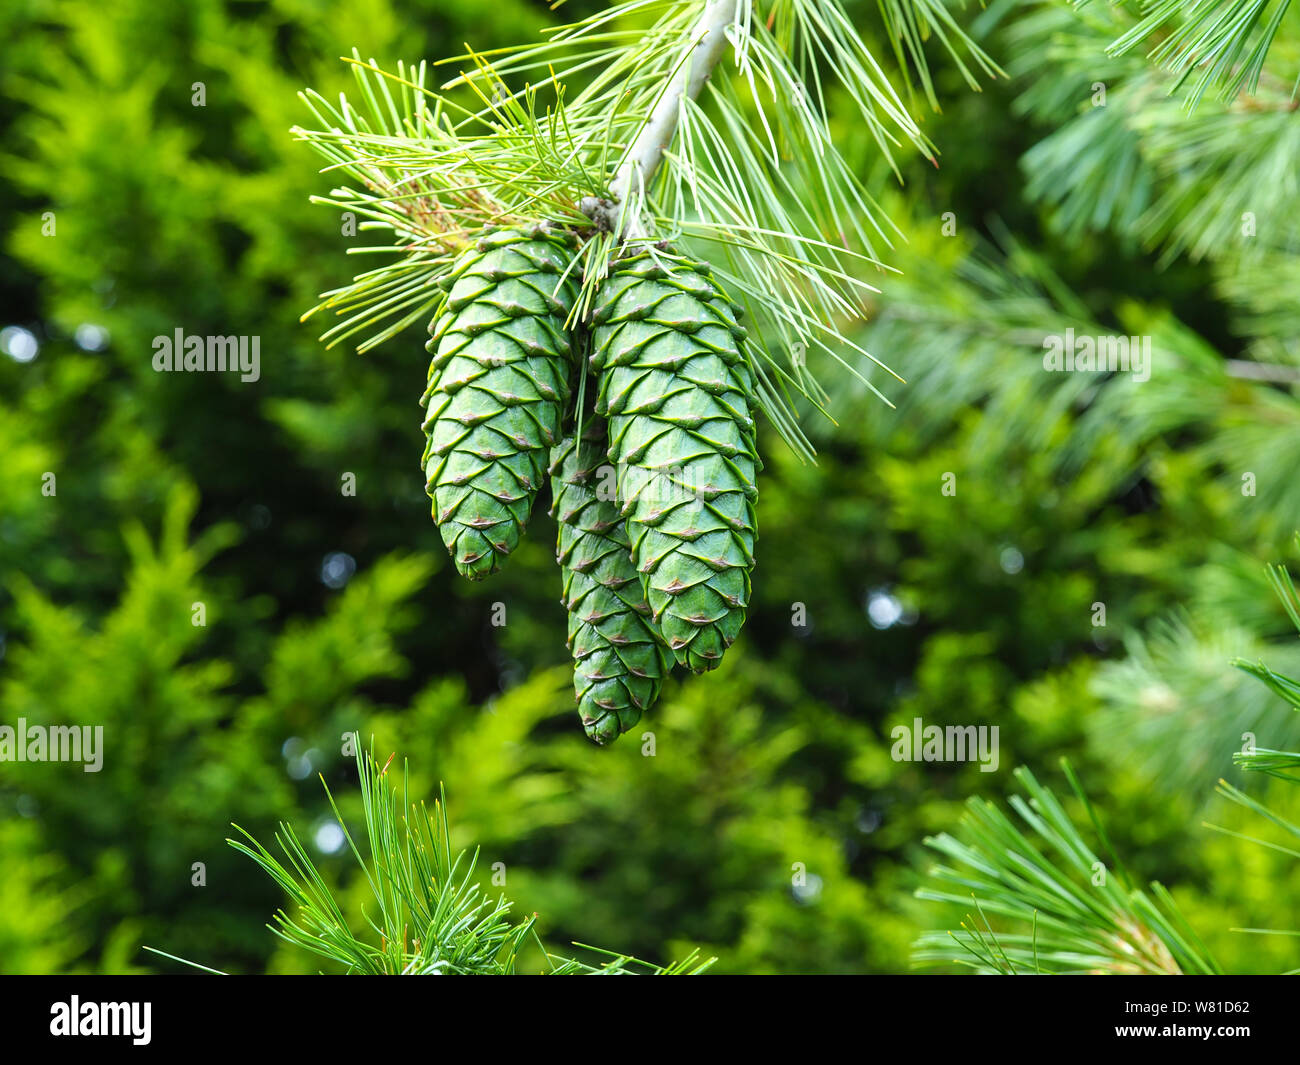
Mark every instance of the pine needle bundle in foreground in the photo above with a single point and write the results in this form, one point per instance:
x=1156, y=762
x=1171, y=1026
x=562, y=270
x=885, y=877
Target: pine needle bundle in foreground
x=1047, y=902
x=428, y=914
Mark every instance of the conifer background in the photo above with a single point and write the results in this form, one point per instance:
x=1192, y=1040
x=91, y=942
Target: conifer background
x=771, y=827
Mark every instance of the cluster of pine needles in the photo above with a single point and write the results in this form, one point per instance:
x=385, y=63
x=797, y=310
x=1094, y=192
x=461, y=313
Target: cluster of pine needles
x=1046, y=902
x=427, y=915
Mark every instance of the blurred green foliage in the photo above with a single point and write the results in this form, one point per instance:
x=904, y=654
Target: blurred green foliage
x=764, y=820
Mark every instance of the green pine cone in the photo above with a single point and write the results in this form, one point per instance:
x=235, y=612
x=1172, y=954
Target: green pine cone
x=675, y=386
x=498, y=386
x=619, y=660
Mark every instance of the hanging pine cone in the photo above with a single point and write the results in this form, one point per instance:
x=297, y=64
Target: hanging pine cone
x=498, y=387
x=619, y=660
x=675, y=387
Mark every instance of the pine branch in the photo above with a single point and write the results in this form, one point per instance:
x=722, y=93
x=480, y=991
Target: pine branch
x=626, y=133
x=647, y=151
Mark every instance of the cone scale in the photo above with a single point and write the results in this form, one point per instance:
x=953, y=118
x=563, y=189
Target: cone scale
x=498, y=386
x=675, y=387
